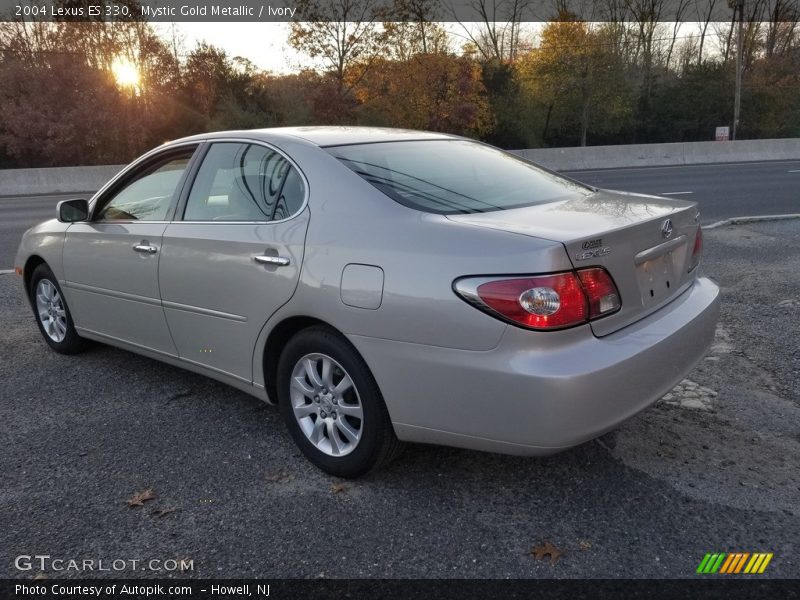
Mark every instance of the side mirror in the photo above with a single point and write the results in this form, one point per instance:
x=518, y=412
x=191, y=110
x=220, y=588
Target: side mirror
x=72, y=211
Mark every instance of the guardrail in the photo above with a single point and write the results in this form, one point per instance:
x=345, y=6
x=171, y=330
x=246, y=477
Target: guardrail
x=86, y=180
x=59, y=180
x=658, y=155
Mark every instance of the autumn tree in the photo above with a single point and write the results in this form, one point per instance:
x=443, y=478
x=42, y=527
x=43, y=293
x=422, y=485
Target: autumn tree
x=206, y=76
x=771, y=102
x=437, y=92
x=57, y=85
x=297, y=98
x=64, y=113
x=574, y=73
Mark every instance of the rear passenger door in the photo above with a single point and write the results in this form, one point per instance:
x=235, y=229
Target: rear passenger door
x=232, y=255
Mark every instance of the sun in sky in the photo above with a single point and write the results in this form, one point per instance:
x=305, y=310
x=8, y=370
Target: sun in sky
x=125, y=72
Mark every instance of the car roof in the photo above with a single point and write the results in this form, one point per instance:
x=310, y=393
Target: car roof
x=325, y=135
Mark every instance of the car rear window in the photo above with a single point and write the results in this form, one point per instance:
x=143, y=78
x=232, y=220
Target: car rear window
x=454, y=176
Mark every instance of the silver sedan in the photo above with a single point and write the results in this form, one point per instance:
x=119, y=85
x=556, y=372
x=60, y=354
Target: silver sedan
x=383, y=286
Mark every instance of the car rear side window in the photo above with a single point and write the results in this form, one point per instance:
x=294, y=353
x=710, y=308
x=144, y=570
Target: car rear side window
x=454, y=176
x=244, y=182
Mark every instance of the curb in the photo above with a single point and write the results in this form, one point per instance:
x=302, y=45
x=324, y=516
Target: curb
x=756, y=219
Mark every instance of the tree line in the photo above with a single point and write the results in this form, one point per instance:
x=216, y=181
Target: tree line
x=637, y=71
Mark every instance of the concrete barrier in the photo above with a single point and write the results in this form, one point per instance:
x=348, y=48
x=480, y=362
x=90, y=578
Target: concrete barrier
x=85, y=180
x=66, y=180
x=656, y=155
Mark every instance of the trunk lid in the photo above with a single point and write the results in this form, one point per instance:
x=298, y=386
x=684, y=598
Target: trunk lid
x=622, y=232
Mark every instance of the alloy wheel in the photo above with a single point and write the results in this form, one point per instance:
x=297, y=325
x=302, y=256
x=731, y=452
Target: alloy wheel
x=51, y=311
x=326, y=404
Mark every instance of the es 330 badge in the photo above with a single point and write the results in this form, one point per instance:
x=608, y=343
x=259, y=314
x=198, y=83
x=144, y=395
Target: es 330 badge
x=593, y=249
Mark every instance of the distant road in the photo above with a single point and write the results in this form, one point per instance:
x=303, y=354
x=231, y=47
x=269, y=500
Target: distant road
x=723, y=191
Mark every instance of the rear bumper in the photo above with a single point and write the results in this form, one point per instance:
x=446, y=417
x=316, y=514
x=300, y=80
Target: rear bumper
x=537, y=393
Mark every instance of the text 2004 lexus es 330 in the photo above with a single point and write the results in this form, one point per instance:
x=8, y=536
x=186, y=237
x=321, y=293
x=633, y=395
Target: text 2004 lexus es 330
x=382, y=286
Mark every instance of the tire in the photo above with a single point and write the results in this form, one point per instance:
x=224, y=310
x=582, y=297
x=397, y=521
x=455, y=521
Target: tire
x=318, y=407
x=52, y=313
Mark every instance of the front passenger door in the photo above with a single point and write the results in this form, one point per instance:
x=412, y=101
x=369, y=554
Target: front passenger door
x=111, y=262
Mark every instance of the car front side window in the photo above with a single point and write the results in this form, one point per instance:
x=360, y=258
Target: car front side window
x=244, y=182
x=149, y=195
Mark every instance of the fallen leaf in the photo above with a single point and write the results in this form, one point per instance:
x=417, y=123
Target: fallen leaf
x=546, y=549
x=584, y=544
x=142, y=497
x=279, y=477
x=338, y=488
x=163, y=512
x=185, y=563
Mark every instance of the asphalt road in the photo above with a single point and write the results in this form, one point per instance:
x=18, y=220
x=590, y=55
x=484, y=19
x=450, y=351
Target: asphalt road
x=723, y=191
x=711, y=468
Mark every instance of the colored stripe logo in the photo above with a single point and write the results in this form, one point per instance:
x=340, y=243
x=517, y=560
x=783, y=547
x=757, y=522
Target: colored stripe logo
x=734, y=563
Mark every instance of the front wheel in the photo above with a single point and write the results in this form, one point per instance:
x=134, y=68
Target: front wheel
x=332, y=405
x=52, y=313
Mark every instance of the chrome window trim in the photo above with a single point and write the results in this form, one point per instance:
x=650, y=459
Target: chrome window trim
x=125, y=221
x=291, y=161
x=226, y=222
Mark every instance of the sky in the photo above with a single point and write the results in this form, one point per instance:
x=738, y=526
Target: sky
x=265, y=44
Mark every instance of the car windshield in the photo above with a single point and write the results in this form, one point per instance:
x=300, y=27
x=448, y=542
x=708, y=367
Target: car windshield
x=454, y=176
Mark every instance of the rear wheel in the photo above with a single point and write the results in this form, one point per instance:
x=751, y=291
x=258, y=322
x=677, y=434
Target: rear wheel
x=332, y=404
x=52, y=313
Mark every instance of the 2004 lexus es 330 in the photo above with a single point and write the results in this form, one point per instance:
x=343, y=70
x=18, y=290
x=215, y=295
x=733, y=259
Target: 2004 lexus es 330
x=383, y=286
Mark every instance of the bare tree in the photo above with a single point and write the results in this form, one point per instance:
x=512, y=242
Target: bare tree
x=414, y=24
x=752, y=13
x=340, y=32
x=616, y=16
x=782, y=27
x=498, y=35
x=704, y=10
x=681, y=8
x=646, y=15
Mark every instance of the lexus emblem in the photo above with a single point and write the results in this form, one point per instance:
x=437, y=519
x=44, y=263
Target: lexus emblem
x=666, y=228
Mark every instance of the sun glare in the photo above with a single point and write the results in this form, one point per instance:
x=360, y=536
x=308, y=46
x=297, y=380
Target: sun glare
x=125, y=72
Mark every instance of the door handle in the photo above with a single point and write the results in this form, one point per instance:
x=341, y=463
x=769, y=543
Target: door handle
x=145, y=248
x=275, y=261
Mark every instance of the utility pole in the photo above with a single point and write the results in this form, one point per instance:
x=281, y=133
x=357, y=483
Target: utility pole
x=739, y=47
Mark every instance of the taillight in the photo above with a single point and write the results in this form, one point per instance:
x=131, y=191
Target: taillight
x=601, y=292
x=697, y=250
x=544, y=302
x=548, y=302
